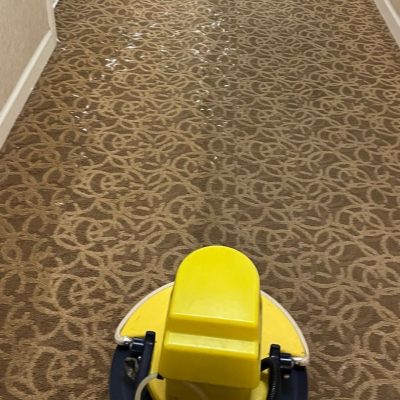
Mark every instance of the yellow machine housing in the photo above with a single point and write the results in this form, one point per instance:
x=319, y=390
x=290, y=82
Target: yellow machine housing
x=213, y=325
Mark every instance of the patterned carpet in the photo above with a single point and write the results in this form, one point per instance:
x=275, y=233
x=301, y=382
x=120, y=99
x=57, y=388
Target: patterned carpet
x=162, y=126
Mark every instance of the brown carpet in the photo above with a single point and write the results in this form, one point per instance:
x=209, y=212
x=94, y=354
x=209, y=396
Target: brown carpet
x=162, y=126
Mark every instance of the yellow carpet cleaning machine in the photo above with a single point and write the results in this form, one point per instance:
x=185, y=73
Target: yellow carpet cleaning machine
x=210, y=335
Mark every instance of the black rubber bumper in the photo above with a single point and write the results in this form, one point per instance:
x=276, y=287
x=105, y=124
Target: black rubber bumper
x=120, y=385
x=122, y=388
x=295, y=388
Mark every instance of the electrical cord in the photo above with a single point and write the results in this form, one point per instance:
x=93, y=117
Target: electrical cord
x=142, y=386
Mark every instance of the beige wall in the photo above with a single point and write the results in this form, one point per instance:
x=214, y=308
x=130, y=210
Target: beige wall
x=396, y=4
x=23, y=24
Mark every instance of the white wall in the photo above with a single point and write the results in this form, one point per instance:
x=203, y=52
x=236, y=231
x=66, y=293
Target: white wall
x=27, y=38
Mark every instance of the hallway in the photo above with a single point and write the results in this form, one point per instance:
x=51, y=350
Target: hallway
x=162, y=126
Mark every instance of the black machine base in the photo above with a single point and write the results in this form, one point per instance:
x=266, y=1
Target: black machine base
x=122, y=387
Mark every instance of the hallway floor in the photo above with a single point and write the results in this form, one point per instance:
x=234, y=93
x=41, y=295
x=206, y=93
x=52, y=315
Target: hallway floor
x=162, y=126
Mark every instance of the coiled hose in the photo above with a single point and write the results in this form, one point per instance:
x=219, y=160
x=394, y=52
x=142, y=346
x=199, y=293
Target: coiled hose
x=274, y=382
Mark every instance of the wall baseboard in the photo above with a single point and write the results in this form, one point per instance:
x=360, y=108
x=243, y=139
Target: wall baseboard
x=391, y=17
x=28, y=79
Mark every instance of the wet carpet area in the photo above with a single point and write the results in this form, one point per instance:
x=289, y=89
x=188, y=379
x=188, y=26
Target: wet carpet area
x=162, y=126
